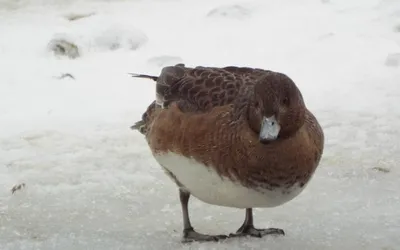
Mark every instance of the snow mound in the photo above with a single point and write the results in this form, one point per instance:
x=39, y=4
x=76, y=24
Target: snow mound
x=115, y=37
x=62, y=45
x=74, y=42
x=393, y=60
x=397, y=28
x=230, y=11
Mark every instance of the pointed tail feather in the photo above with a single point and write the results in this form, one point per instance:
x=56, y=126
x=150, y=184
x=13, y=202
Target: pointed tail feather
x=154, y=78
x=140, y=126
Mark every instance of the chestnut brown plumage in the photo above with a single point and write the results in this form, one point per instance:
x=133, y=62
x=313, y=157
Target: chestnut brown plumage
x=250, y=126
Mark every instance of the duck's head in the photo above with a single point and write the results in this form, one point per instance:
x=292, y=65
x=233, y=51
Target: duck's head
x=276, y=109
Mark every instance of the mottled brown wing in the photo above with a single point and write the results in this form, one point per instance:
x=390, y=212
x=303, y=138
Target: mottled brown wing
x=202, y=88
x=253, y=73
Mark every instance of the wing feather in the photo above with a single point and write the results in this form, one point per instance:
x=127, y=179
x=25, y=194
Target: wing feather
x=199, y=89
x=202, y=88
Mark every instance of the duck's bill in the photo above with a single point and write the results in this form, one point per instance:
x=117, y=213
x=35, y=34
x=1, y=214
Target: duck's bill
x=269, y=129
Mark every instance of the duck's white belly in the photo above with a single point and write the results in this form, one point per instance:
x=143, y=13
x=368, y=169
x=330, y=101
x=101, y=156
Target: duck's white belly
x=205, y=184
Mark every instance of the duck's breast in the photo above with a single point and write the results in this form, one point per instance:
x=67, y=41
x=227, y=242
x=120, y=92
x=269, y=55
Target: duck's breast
x=224, y=164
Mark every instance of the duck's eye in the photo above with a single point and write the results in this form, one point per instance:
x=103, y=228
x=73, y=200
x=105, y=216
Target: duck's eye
x=285, y=101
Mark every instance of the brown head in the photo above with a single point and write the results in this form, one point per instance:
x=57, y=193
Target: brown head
x=277, y=109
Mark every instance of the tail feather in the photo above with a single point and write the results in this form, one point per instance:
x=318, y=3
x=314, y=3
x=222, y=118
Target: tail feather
x=140, y=126
x=137, y=125
x=154, y=78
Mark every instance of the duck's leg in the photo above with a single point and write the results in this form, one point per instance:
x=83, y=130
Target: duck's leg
x=248, y=229
x=189, y=235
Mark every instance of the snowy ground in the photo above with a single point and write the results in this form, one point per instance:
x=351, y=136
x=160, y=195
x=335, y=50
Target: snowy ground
x=91, y=182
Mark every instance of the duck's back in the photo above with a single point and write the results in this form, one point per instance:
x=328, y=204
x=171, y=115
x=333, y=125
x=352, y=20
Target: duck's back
x=202, y=88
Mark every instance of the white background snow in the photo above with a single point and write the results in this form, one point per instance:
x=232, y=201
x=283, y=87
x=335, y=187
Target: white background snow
x=91, y=182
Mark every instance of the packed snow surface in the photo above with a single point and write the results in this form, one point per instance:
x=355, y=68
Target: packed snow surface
x=91, y=182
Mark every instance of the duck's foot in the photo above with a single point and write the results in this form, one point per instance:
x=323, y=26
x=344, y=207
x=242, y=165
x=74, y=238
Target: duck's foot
x=189, y=235
x=250, y=230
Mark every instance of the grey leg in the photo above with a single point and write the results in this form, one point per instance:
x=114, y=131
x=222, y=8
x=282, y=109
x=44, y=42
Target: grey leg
x=248, y=229
x=189, y=235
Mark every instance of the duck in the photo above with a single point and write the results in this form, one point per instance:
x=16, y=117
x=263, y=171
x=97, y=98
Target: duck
x=236, y=137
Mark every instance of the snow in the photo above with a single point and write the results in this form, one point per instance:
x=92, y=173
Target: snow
x=91, y=182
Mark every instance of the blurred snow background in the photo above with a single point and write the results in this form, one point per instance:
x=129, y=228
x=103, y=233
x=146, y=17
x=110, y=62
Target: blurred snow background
x=91, y=183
